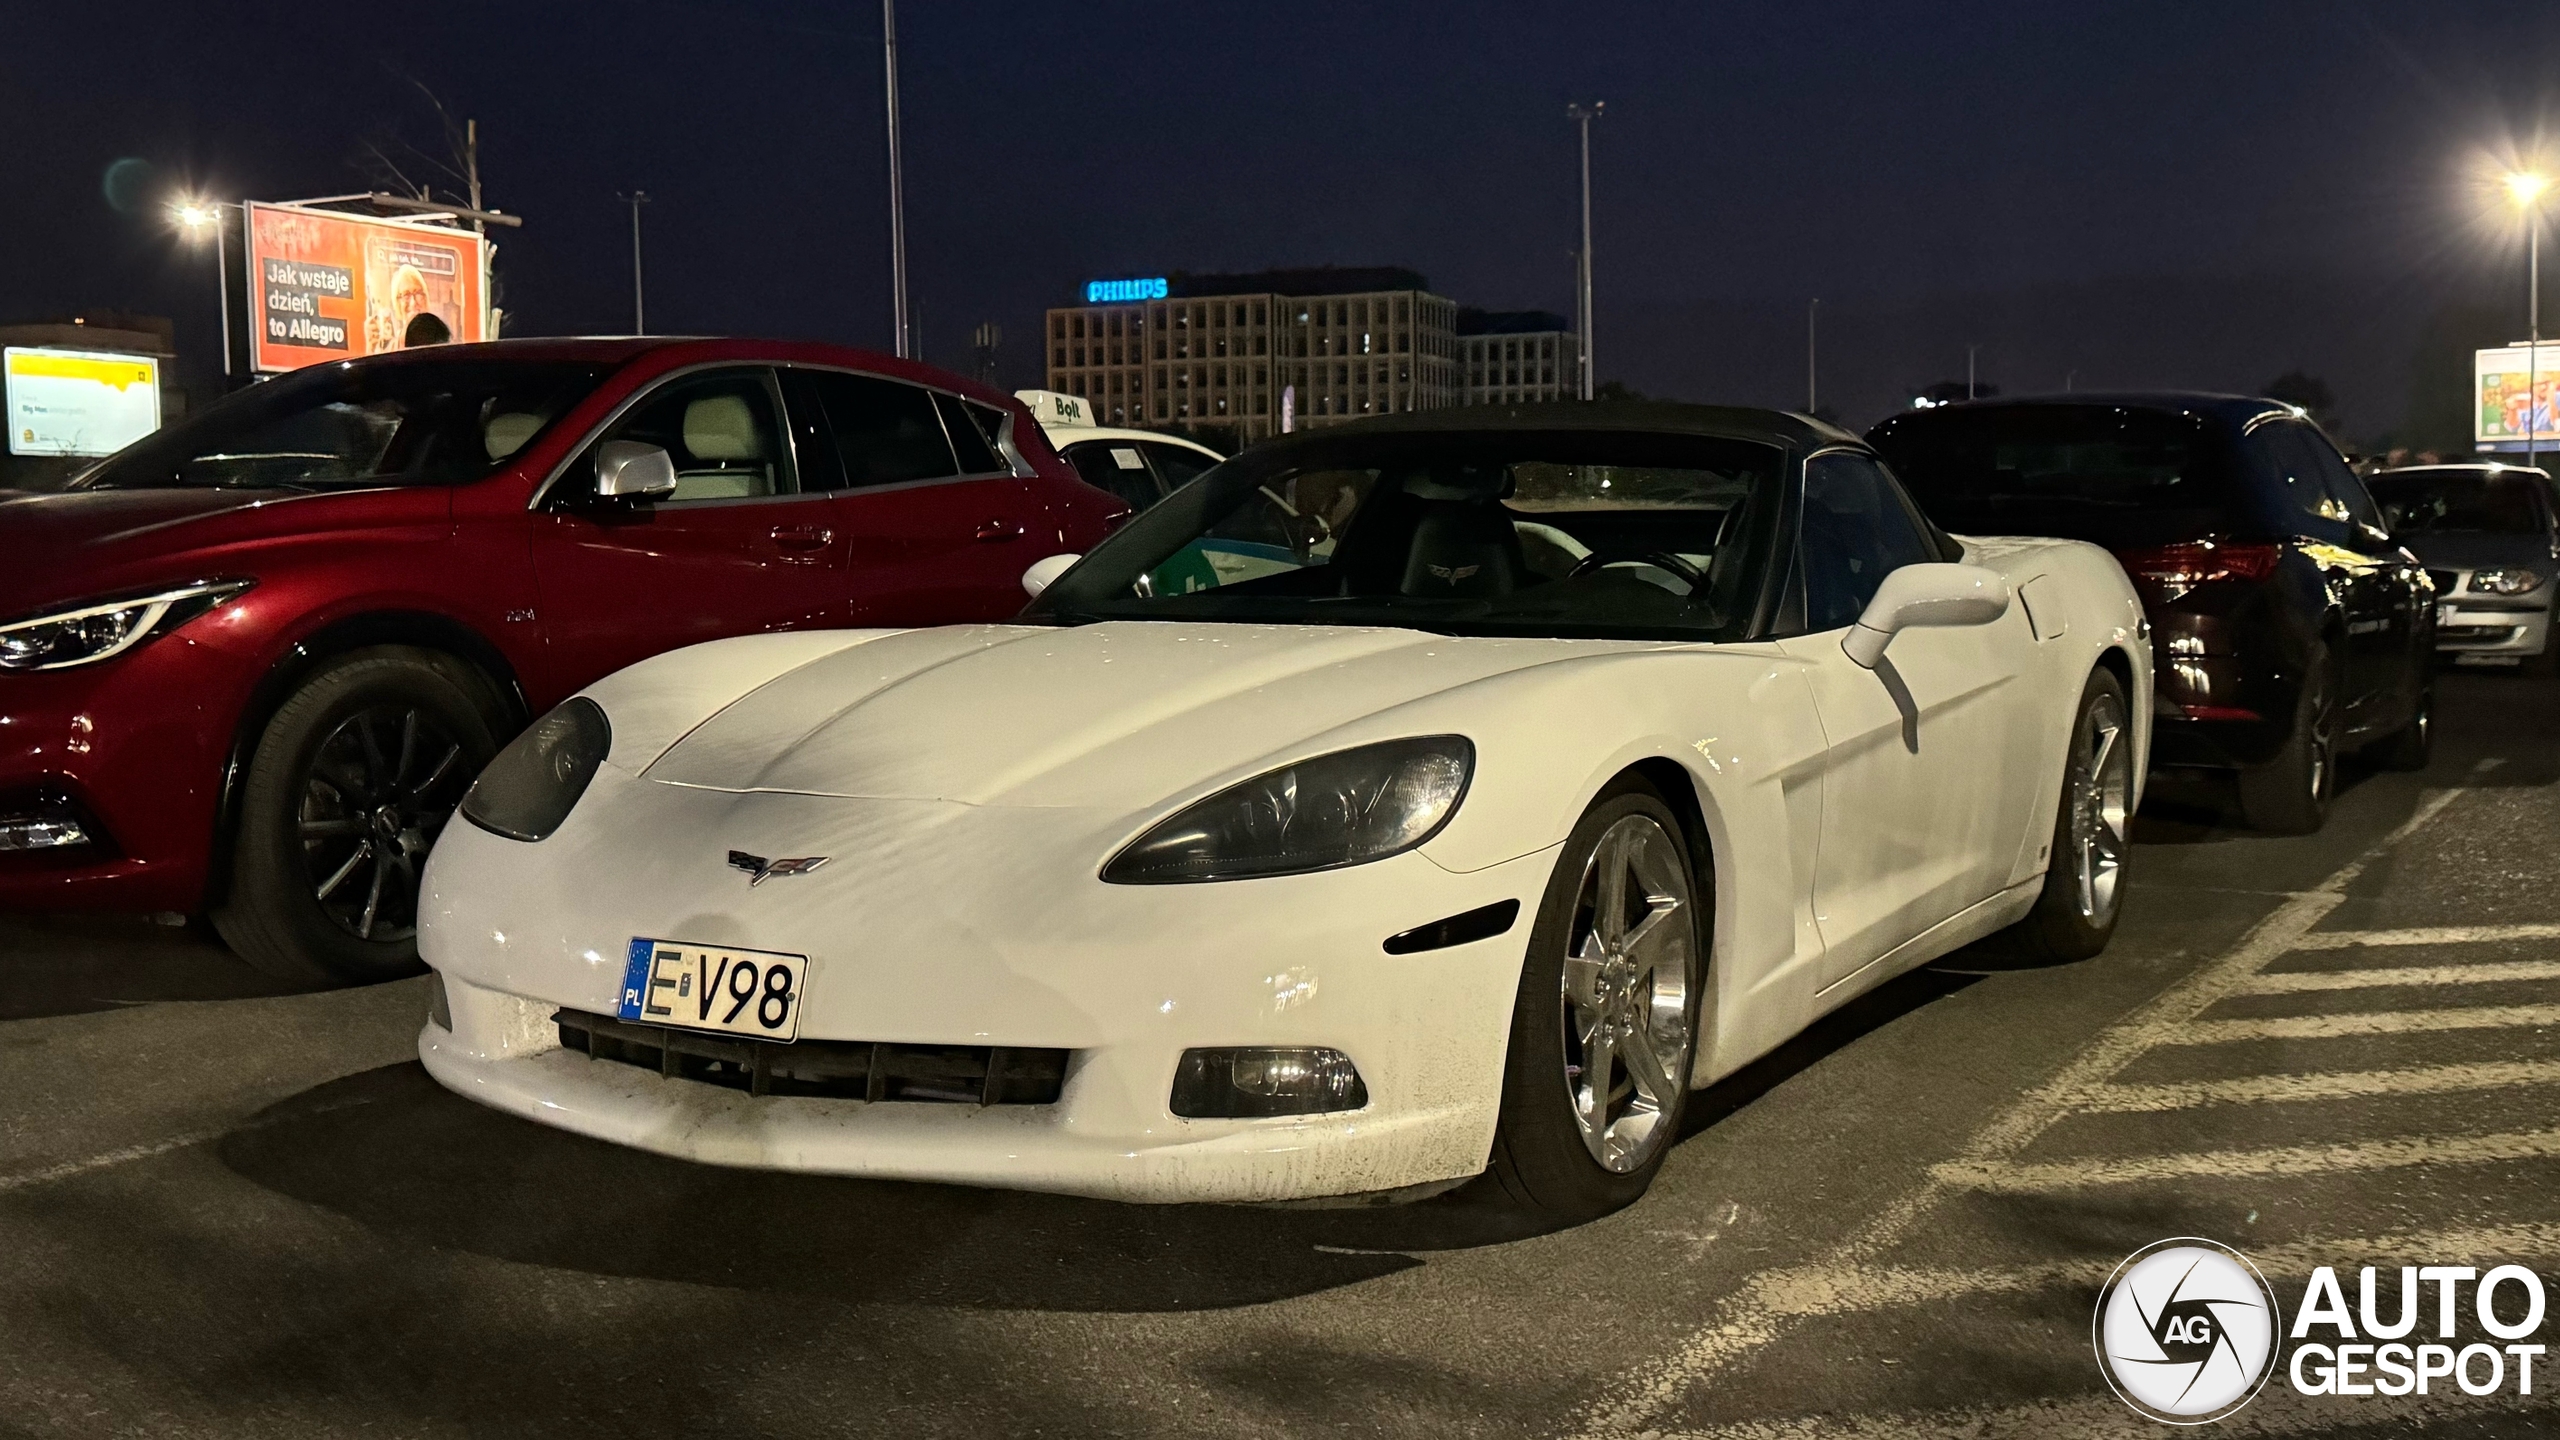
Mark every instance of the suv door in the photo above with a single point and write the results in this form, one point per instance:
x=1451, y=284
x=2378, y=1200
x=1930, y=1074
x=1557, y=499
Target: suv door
x=938, y=528
x=1925, y=795
x=2375, y=587
x=740, y=546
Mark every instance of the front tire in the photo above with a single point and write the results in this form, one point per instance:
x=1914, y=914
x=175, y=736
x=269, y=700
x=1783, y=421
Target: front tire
x=356, y=774
x=2289, y=795
x=2414, y=744
x=2075, y=914
x=1605, y=1028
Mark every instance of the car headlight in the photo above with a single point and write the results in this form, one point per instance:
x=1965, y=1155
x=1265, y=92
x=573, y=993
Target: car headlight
x=2505, y=582
x=102, y=631
x=1347, y=808
x=536, y=781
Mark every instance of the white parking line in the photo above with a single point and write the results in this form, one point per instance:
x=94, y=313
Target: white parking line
x=1748, y=1320
x=2120, y=1098
x=2374, y=1022
x=2491, y=972
x=2381, y=1154
x=2437, y=935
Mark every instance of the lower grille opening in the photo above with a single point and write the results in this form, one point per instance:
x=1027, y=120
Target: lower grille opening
x=834, y=1069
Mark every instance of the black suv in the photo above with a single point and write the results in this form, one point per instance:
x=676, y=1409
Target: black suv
x=2287, y=625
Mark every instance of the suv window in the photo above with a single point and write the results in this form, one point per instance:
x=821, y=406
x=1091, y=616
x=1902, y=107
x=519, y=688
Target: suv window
x=722, y=431
x=1857, y=530
x=1115, y=466
x=2299, y=461
x=972, y=434
x=883, y=432
x=1174, y=464
x=2115, y=475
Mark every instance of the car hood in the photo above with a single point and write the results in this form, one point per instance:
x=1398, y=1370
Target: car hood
x=2461, y=550
x=1116, y=714
x=73, y=544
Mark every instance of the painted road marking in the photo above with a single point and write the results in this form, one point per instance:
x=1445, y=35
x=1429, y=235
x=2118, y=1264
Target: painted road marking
x=1749, y=1319
x=2437, y=935
x=2119, y=1098
x=2485, y=973
x=2373, y=1022
x=108, y=1160
x=2090, y=1171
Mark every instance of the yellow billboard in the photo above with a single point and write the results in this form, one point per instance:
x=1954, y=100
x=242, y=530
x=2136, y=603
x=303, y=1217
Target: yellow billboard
x=79, y=402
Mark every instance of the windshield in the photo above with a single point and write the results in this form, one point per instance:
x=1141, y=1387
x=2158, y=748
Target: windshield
x=2423, y=502
x=411, y=422
x=1566, y=533
x=2110, y=474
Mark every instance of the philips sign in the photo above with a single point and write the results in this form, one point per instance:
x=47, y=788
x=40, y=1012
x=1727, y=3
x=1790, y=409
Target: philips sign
x=1110, y=292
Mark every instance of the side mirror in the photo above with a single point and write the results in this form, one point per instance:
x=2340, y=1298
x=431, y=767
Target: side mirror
x=1925, y=595
x=629, y=470
x=1045, y=573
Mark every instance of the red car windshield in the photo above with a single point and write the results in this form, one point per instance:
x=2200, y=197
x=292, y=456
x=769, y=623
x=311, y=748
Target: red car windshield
x=417, y=422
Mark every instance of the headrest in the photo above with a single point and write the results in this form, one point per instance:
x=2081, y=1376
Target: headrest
x=507, y=431
x=722, y=427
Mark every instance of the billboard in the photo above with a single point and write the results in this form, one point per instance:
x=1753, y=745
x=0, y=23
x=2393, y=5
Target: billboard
x=327, y=286
x=79, y=402
x=2508, y=384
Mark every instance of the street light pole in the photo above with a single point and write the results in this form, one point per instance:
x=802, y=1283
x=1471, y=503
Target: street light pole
x=1583, y=115
x=193, y=215
x=639, y=302
x=1969, y=352
x=897, y=194
x=1812, y=374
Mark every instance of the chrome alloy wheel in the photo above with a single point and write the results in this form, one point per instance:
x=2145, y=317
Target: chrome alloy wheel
x=2100, y=795
x=2323, y=738
x=379, y=790
x=1627, y=969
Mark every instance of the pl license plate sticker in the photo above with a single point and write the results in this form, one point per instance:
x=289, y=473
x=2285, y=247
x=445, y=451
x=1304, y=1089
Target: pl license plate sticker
x=755, y=993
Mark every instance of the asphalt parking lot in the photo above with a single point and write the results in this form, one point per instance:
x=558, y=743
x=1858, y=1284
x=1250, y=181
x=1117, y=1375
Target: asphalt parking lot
x=230, y=1210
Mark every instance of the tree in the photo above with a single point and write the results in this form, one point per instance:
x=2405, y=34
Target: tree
x=2305, y=392
x=1617, y=390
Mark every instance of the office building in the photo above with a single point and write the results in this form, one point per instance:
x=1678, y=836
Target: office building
x=1227, y=353
x=1507, y=357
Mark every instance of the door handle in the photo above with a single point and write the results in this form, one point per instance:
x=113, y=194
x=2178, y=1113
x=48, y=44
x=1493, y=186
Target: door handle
x=802, y=537
x=997, y=530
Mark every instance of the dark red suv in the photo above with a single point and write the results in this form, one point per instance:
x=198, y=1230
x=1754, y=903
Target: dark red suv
x=249, y=665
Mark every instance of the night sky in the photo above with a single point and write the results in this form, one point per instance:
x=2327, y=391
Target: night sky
x=2105, y=195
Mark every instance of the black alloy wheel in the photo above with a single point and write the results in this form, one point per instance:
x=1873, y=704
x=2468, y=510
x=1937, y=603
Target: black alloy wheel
x=374, y=798
x=356, y=775
x=2289, y=795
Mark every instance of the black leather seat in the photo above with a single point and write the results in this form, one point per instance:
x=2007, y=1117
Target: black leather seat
x=1463, y=550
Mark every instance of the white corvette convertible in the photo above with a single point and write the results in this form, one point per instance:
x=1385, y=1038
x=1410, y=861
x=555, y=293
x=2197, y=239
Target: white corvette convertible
x=1397, y=802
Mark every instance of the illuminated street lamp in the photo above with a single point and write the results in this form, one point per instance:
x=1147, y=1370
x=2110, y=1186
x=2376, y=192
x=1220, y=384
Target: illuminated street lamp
x=2525, y=187
x=195, y=216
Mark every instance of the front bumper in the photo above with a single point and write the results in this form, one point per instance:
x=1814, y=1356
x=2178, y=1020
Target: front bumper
x=947, y=924
x=133, y=746
x=2473, y=630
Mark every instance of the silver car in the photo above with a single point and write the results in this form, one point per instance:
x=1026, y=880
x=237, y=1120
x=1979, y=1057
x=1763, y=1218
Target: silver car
x=2487, y=535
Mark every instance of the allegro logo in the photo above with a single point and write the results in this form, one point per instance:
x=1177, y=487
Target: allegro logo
x=2186, y=1331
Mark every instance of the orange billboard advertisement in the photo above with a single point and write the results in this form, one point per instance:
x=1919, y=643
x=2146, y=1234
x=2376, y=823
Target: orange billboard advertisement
x=328, y=286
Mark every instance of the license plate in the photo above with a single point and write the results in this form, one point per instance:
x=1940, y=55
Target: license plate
x=755, y=993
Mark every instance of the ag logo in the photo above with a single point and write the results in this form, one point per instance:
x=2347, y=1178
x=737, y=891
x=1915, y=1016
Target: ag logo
x=2186, y=1331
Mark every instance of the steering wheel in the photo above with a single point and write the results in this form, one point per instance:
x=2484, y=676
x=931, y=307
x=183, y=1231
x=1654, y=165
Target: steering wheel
x=1691, y=575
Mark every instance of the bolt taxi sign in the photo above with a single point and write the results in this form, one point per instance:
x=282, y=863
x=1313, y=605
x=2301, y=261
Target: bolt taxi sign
x=2186, y=1331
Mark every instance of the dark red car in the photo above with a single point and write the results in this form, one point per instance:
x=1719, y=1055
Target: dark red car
x=249, y=665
